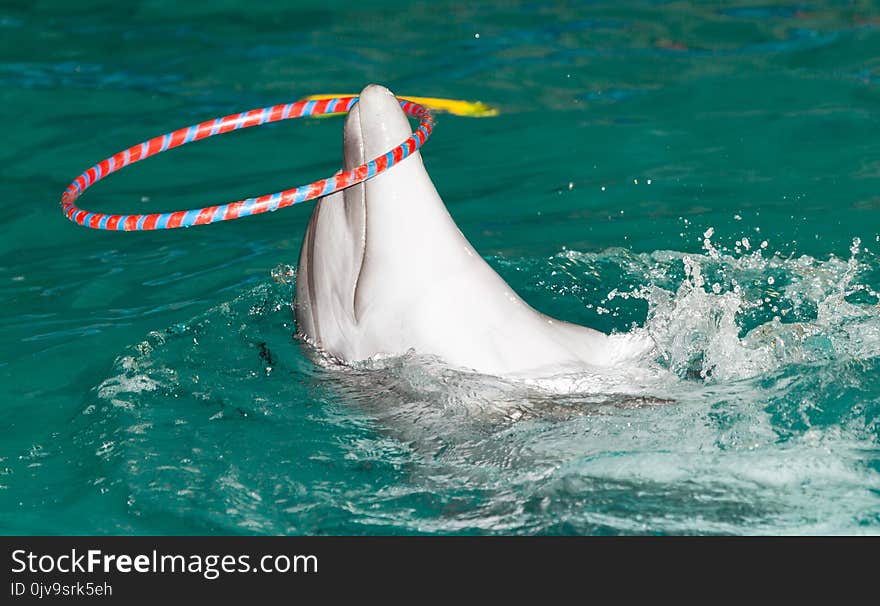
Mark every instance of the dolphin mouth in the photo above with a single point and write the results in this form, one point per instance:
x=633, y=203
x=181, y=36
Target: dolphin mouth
x=359, y=193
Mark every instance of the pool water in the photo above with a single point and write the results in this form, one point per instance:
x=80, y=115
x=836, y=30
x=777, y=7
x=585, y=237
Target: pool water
x=707, y=175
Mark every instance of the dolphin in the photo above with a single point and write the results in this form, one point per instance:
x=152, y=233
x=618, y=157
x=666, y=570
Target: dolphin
x=384, y=271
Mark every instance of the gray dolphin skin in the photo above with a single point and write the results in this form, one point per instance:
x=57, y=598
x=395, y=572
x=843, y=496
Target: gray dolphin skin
x=384, y=271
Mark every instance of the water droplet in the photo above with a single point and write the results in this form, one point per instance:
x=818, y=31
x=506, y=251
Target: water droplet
x=854, y=249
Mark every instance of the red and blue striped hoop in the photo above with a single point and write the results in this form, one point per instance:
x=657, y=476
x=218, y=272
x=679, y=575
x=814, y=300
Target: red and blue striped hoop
x=249, y=206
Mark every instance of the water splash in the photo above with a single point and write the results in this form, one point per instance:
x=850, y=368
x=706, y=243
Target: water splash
x=738, y=314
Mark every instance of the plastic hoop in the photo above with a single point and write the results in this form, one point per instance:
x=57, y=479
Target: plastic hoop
x=248, y=206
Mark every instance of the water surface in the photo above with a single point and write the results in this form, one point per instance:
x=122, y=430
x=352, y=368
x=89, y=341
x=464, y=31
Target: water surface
x=707, y=175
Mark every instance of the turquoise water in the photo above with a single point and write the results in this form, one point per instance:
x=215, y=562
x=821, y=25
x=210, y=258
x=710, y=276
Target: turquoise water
x=706, y=174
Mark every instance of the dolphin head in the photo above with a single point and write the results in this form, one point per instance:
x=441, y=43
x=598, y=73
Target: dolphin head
x=403, y=197
x=384, y=270
x=375, y=241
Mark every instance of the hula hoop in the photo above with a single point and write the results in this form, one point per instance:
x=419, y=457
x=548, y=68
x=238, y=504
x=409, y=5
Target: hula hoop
x=248, y=206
